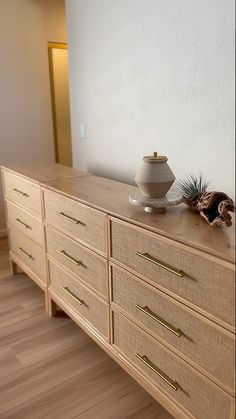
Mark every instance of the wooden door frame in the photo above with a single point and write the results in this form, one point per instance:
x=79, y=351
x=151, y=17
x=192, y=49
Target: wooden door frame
x=56, y=45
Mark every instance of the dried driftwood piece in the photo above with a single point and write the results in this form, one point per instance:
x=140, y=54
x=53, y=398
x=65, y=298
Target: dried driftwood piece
x=213, y=206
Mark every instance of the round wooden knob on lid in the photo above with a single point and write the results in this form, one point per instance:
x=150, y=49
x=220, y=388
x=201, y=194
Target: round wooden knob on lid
x=155, y=158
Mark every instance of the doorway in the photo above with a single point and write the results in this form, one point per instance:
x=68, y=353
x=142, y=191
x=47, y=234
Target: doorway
x=58, y=68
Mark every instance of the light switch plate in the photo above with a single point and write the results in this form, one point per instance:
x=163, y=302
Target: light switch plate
x=83, y=131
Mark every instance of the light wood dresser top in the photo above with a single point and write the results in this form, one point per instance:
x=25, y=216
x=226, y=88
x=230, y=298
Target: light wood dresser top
x=178, y=223
x=39, y=171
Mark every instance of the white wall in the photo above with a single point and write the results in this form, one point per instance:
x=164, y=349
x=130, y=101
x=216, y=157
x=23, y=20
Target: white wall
x=25, y=103
x=153, y=75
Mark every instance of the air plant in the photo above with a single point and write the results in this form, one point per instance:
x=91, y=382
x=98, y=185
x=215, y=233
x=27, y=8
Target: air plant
x=192, y=188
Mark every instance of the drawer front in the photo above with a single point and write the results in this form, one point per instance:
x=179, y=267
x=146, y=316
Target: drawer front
x=206, y=283
x=26, y=223
x=81, y=299
x=86, y=224
x=189, y=389
x=198, y=339
x=84, y=263
x=28, y=253
x=23, y=192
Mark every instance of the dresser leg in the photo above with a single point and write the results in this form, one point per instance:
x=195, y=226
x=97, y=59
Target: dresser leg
x=51, y=307
x=46, y=301
x=14, y=268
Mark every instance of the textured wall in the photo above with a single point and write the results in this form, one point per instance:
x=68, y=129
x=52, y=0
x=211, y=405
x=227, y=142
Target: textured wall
x=153, y=75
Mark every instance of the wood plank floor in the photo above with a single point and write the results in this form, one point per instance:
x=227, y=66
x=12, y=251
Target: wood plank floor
x=50, y=369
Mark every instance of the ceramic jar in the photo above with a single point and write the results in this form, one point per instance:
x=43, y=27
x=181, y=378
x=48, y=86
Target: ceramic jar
x=154, y=177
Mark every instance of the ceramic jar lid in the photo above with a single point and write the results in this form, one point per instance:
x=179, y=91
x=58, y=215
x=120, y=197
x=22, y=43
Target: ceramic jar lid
x=155, y=158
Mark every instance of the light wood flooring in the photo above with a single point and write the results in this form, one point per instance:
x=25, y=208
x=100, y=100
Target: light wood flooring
x=50, y=369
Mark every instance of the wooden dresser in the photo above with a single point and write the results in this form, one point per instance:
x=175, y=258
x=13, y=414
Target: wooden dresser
x=24, y=215
x=156, y=292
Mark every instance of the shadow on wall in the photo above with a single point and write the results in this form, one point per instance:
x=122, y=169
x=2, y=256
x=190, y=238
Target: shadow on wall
x=111, y=173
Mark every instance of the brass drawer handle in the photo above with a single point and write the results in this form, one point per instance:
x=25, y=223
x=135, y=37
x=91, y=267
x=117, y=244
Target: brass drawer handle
x=162, y=265
x=69, y=218
x=22, y=222
x=20, y=192
x=148, y=312
x=71, y=258
x=25, y=253
x=77, y=299
x=149, y=364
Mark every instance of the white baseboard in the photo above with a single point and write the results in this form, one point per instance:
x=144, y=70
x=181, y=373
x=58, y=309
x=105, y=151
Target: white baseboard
x=3, y=233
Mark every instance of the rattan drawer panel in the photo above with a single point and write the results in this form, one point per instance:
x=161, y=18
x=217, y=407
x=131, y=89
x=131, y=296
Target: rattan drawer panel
x=87, y=225
x=198, y=339
x=26, y=223
x=84, y=263
x=92, y=309
x=207, y=282
x=29, y=253
x=23, y=192
x=198, y=395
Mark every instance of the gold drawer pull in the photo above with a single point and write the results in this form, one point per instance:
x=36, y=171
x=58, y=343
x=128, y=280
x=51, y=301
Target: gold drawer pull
x=71, y=258
x=77, y=299
x=25, y=253
x=20, y=192
x=172, y=329
x=154, y=260
x=22, y=222
x=146, y=361
x=69, y=218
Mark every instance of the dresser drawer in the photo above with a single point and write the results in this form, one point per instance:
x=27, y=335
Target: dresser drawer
x=185, y=386
x=23, y=192
x=198, y=339
x=29, y=253
x=26, y=223
x=85, y=303
x=86, y=224
x=82, y=262
x=203, y=281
